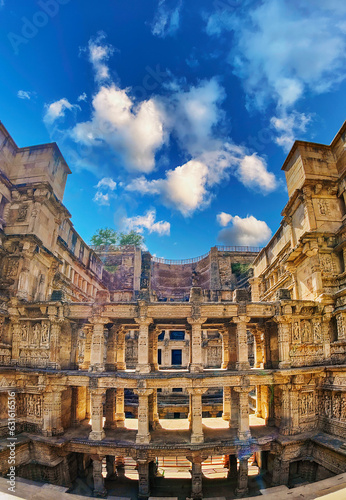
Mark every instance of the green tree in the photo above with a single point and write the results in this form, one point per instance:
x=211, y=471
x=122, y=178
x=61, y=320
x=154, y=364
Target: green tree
x=104, y=236
x=131, y=238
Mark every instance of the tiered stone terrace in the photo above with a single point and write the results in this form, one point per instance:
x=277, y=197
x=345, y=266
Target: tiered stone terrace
x=79, y=344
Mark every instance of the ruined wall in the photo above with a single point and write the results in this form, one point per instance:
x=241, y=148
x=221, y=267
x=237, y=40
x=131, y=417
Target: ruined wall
x=175, y=280
x=121, y=268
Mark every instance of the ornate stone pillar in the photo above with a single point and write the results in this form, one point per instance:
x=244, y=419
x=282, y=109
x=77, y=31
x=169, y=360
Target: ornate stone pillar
x=258, y=412
x=87, y=404
x=285, y=420
x=143, y=365
x=259, y=347
x=196, y=477
x=226, y=410
x=52, y=411
x=87, y=349
x=233, y=421
x=47, y=429
x=294, y=409
x=284, y=330
x=225, y=348
x=143, y=479
x=121, y=349
x=74, y=407
x=154, y=422
x=326, y=338
x=242, y=487
x=119, y=408
x=99, y=484
x=232, y=329
x=98, y=344
x=111, y=356
x=153, y=349
x=243, y=416
x=16, y=339
x=242, y=346
x=110, y=422
x=196, y=364
x=97, y=396
x=143, y=434
x=196, y=414
x=55, y=329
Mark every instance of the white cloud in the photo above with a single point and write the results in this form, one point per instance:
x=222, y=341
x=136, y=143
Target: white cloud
x=148, y=222
x=82, y=97
x=107, y=182
x=101, y=198
x=25, y=94
x=288, y=126
x=194, y=113
x=245, y=232
x=223, y=218
x=57, y=110
x=183, y=188
x=188, y=187
x=99, y=53
x=291, y=48
x=281, y=50
x=253, y=173
x=167, y=18
x=133, y=132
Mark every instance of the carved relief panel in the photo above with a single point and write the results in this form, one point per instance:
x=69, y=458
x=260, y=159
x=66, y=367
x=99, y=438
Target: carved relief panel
x=29, y=405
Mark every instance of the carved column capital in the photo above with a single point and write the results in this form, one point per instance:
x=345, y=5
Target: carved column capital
x=241, y=319
x=196, y=321
x=143, y=321
x=143, y=392
x=196, y=391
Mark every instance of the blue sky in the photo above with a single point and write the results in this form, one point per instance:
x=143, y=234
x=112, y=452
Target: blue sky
x=175, y=116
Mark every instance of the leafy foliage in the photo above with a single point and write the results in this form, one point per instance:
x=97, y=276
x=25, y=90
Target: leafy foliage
x=132, y=238
x=239, y=269
x=107, y=237
x=104, y=236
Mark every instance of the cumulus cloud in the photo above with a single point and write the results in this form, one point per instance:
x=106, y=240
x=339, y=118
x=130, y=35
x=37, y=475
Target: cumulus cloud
x=132, y=135
x=188, y=187
x=248, y=231
x=167, y=18
x=133, y=132
x=107, y=182
x=223, y=218
x=288, y=126
x=25, y=94
x=99, y=52
x=101, y=198
x=104, y=193
x=253, y=173
x=82, y=97
x=57, y=110
x=282, y=49
x=193, y=114
x=148, y=222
